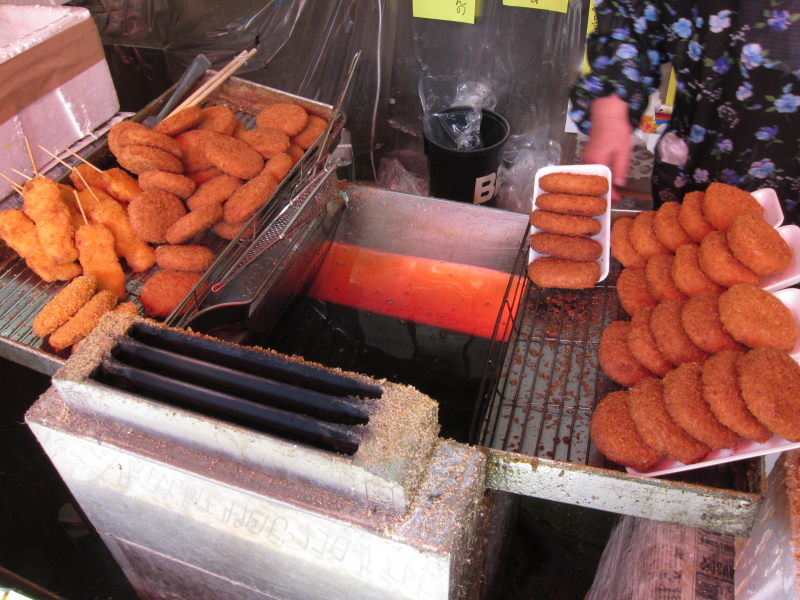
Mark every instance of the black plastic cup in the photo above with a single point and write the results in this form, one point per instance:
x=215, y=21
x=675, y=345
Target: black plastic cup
x=470, y=175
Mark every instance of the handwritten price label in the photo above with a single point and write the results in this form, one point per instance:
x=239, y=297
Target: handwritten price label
x=461, y=11
x=552, y=5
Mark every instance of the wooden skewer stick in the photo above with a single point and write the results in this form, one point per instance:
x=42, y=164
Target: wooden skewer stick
x=215, y=81
x=83, y=160
x=74, y=170
x=30, y=155
x=17, y=187
x=21, y=174
x=80, y=206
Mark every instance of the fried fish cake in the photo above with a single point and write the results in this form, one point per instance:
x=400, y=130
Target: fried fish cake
x=174, y=183
x=722, y=203
x=718, y=262
x=164, y=290
x=643, y=238
x=219, y=119
x=574, y=183
x=690, y=216
x=615, y=357
x=758, y=245
x=658, y=273
x=657, y=428
x=180, y=121
x=138, y=159
x=701, y=322
x=683, y=397
x=285, y=116
x=564, y=224
x=770, y=383
x=566, y=246
x=152, y=213
x=687, y=275
x=267, y=142
x=670, y=337
x=642, y=345
x=550, y=272
x=315, y=127
x=194, y=222
x=632, y=290
x=572, y=204
x=667, y=227
x=189, y=257
x=232, y=156
x=756, y=318
x=616, y=436
x=621, y=247
x=721, y=391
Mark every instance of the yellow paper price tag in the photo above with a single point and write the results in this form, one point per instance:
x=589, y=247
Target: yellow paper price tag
x=552, y=5
x=461, y=11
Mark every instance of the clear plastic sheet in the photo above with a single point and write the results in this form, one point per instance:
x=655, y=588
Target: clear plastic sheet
x=526, y=58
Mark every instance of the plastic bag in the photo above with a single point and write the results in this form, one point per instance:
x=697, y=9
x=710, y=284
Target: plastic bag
x=524, y=154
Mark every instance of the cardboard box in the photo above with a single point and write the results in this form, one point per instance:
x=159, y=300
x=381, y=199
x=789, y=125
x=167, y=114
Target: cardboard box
x=57, y=87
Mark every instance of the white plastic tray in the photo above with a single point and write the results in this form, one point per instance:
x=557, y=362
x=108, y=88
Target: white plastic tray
x=791, y=274
x=604, y=236
x=768, y=198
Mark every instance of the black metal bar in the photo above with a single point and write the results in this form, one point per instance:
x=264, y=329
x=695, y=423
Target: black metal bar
x=218, y=405
x=252, y=361
x=252, y=387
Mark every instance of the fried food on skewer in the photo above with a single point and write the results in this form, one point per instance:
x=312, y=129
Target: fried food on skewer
x=83, y=321
x=43, y=204
x=64, y=304
x=139, y=255
x=98, y=257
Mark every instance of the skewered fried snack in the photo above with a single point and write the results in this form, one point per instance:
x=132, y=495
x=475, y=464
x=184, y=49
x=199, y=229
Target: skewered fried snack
x=643, y=238
x=219, y=119
x=718, y=262
x=658, y=273
x=649, y=414
x=164, y=290
x=687, y=275
x=566, y=246
x=701, y=322
x=83, y=321
x=184, y=258
x=194, y=222
x=572, y=204
x=671, y=339
x=246, y=200
x=279, y=166
x=152, y=213
x=758, y=245
x=721, y=391
x=19, y=232
x=632, y=290
x=232, y=156
x=180, y=121
x=138, y=159
x=218, y=190
x=615, y=357
x=574, y=183
x=64, y=304
x=84, y=174
x=120, y=184
x=69, y=198
x=770, y=383
x=722, y=203
x=667, y=227
x=289, y=118
x=690, y=216
x=137, y=253
x=98, y=257
x=314, y=128
x=683, y=397
x=621, y=247
x=174, y=183
x=43, y=204
x=642, y=345
x=756, y=318
x=563, y=224
x=549, y=272
x=615, y=435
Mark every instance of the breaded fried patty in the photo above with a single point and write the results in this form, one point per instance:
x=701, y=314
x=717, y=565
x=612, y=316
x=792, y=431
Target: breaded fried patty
x=722, y=203
x=572, y=204
x=701, y=322
x=770, y=383
x=667, y=228
x=718, y=262
x=659, y=278
x=670, y=337
x=616, y=359
x=632, y=290
x=690, y=216
x=549, y=272
x=566, y=246
x=574, y=183
x=621, y=247
x=687, y=275
x=642, y=345
x=643, y=238
x=564, y=224
x=756, y=318
x=758, y=245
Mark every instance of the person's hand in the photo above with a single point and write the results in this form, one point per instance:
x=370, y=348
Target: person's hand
x=610, y=139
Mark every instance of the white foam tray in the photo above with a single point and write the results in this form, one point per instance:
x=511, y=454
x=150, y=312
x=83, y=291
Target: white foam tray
x=604, y=236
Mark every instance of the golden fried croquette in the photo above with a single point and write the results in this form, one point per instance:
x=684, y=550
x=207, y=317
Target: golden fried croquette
x=683, y=397
x=756, y=318
x=718, y=262
x=164, y=290
x=136, y=134
x=721, y=391
x=758, y=245
x=615, y=435
x=267, y=142
x=137, y=253
x=138, y=159
x=566, y=246
x=315, y=127
x=549, y=272
x=180, y=121
x=722, y=203
x=83, y=321
x=42, y=202
x=194, y=158
x=642, y=345
x=174, y=183
x=229, y=231
x=200, y=177
x=194, y=222
x=232, y=156
x=279, y=166
x=218, y=190
x=120, y=184
x=633, y=291
x=571, y=204
x=667, y=228
x=564, y=224
x=690, y=216
x=670, y=337
x=574, y=183
x=649, y=414
x=621, y=247
x=98, y=257
x=615, y=357
x=64, y=304
x=116, y=135
x=769, y=380
x=152, y=213
x=701, y=322
x=184, y=258
x=219, y=119
x=643, y=238
x=658, y=273
x=295, y=152
x=289, y=118
x=687, y=275
x=126, y=308
x=251, y=196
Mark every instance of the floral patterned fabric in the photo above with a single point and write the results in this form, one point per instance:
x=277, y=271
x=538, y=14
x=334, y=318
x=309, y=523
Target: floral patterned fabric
x=737, y=108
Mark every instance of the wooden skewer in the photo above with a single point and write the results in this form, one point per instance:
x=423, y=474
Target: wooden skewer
x=30, y=155
x=83, y=160
x=17, y=187
x=21, y=174
x=80, y=206
x=218, y=79
x=74, y=170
